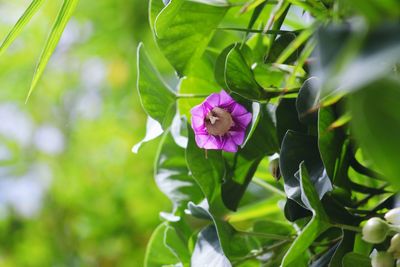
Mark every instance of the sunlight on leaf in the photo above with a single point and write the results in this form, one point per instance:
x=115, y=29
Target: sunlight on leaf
x=21, y=23
x=62, y=19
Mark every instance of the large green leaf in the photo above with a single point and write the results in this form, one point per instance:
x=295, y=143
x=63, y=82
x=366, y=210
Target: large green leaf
x=268, y=76
x=330, y=141
x=207, y=169
x=62, y=19
x=349, y=55
x=318, y=224
x=172, y=175
x=157, y=99
x=287, y=118
x=375, y=117
x=345, y=246
x=22, y=21
x=183, y=30
x=307, y=101
x=176, y=239
x=153, y=130
x=242, y=165
x=296, y=148
x=233, y=244
x=157, y=254
x=239, y=78
x=208, y=251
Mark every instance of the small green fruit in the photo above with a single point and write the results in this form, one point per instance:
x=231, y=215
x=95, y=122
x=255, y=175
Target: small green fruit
x=375, y=230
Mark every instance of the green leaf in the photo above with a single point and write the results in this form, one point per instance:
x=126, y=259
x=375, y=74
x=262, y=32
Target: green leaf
x=274, y=227
x=157, y=254
x=347, y=53
x=62, y=19
x=279, y=45
x=177, y=241
x=239, y=78
x=233, y=244
x=242, y=165
x=287, y=118
x=208, y=251
x=293, y=50
x=172, y=175
x=296, y=148
x=318, y=224
x=199, y=80
x=153, y=130
x=325, y=259
x=330, y=141
x=208, y=170
x=157, y=99
x=375, y=114
x=307, y=101
x=345, y=246
x=219, y=70
x=354, y=259
x=21, y=23
x=268, y=76
x=184, y=29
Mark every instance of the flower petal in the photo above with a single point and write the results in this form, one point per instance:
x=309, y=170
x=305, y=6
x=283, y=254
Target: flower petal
x=213, y=143
x=238, y=110
x=202, y=139
x=198, y=123
x=237, y=137
x=212, y=101
x=229, y=145
x=198, y=111
x=225, y=99
x=244, y=119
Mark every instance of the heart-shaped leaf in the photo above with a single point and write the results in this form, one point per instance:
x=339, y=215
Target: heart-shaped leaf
x=157, y=99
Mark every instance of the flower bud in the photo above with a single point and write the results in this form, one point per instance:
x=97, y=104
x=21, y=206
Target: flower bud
x=381, y=259
x=395, y=246
x=375, y=230
x=398, y=263
x=393, y=216
x=274, y=169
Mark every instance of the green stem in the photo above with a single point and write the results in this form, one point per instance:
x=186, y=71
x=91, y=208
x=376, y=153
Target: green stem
x=261, y=252
x=267, y=235
x=268, y=187
x=348, y=227
x=192, y=95
x=395, y=228
x=257, y=31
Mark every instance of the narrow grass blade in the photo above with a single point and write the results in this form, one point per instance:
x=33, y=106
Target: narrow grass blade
x=62, y=19
x=23, y=20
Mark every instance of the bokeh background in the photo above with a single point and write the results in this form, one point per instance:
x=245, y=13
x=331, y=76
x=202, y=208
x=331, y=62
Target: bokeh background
x=71, y=191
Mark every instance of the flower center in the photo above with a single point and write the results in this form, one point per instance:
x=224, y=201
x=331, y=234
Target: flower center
x=218, y=121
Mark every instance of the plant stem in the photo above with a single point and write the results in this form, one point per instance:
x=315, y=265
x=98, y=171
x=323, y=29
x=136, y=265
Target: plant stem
x=257, y=31
x=269, y=187
x=261, y=252
x=348, y=227
x=267, y=235
x=191, y=95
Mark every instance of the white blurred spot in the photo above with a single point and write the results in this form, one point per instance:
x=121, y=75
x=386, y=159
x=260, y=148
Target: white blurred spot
x=15, y=124
x=93, y=73
x=49, y=139
x=89, y=105
x=25, y=194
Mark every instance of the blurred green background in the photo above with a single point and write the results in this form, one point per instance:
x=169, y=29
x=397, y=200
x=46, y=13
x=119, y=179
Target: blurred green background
x=71, y=191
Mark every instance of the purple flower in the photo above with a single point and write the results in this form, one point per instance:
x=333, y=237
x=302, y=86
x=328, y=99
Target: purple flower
x=220, y=122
